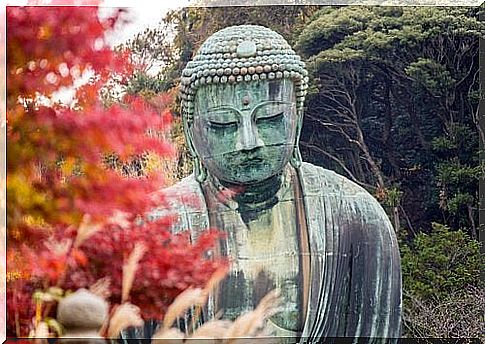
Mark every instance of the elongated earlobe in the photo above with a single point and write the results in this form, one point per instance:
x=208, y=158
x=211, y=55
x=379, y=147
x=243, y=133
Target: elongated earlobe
x=295, y=159
x=200, y=171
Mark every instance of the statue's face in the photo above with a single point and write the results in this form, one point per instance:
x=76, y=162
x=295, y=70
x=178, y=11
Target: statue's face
x=245, y=132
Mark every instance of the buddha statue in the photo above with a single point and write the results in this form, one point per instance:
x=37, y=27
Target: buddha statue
x=318, y=237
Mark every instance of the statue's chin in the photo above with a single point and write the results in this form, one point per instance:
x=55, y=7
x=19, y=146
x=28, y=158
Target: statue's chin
x=247, y=174
x=247, y=180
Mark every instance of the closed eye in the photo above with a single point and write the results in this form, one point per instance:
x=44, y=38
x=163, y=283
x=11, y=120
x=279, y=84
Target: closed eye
x=222, y=125
x=222, y=118
x=270, y=117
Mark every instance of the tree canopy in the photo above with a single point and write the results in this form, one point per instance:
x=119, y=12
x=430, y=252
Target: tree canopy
x=394, y=104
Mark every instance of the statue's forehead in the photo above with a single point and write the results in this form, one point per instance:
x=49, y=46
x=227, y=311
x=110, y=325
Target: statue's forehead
x=240, y=93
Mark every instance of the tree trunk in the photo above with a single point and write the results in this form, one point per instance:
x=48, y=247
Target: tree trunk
x=473, y=230
x=376, y=171
x=397, y=221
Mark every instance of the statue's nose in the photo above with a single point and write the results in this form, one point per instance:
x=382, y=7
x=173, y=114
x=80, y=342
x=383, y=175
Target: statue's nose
x=248, y=135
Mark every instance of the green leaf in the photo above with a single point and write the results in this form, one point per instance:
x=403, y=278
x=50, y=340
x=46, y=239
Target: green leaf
x=55, y=325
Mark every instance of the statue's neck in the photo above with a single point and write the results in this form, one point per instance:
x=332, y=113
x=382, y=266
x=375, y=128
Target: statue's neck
x=257, y=192
x=252, y=198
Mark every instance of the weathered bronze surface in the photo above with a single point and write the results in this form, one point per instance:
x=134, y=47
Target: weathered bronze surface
x=320, y=238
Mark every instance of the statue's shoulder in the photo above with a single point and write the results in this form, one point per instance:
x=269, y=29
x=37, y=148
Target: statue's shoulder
x=317, y=180
x=185, y=201
x=180, y=191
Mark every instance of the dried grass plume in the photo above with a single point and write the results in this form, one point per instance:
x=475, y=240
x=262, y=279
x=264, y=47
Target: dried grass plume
x=86, y=230
x=186, y=299
x=129, y=270
x=124, y=316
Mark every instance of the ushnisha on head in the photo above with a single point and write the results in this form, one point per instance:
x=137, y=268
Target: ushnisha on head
x=242, y=53
x=233, y=91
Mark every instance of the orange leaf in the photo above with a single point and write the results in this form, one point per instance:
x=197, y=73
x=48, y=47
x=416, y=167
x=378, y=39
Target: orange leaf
x=79, y=257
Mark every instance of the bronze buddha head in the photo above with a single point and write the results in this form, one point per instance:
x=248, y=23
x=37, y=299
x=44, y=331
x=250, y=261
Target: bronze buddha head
x=242, y=105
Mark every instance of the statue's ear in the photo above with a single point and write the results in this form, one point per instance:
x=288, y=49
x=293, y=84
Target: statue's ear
x=200, y=171
x=188, y=133
x=296, y=159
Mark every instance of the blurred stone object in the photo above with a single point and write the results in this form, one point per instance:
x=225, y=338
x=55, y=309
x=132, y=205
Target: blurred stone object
x=82, y=314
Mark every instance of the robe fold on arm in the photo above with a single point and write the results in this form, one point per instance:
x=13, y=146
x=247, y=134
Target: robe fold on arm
x=355, y=263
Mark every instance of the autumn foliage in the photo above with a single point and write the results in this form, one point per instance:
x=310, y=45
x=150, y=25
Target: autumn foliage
x=71, y=219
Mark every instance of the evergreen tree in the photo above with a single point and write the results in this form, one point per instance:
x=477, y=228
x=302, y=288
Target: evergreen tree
x=394, y=105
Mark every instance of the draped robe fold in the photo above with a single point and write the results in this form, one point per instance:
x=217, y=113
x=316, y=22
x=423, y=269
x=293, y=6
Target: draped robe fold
x=355, y=274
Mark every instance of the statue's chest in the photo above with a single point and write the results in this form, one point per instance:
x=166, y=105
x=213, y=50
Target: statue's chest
x=265, y=255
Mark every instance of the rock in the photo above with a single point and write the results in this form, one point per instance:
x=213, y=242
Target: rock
x=82, y=309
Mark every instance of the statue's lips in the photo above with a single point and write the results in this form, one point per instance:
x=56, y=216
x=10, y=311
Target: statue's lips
x=237, y=159
x=249, y=162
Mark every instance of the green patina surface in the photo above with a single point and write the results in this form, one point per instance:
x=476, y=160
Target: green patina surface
x=242, y=106
x=263, y=244
x=320, y=238
x=245, y=133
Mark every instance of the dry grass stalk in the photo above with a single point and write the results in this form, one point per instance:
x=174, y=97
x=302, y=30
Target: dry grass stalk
x=168, y=336
x=59, y=248
x=212, y=329
x=215, y=279
x=119, y=218
x=249, y=325
x=124, y=316
x=86, y=230
x=129, y=270
x=41, y=333
x=210, y=286
x=101, y=288
x=252, y=323
x=186, y=299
